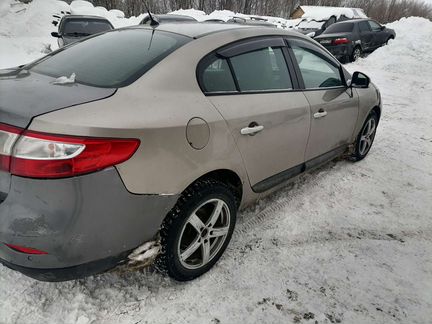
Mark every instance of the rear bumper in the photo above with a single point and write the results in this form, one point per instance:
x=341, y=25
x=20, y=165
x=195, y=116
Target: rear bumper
x=77, y=221
x=70, y=273
x=340, y=51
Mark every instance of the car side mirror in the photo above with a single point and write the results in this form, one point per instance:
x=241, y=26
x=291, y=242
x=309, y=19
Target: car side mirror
x=359, y=80
x=55, y=34
x=383, y=27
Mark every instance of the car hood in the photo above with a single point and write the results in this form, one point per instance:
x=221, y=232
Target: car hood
x=25, y=94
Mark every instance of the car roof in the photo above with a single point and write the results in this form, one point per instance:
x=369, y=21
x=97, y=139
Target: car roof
x=354, y=20
x=173, y=16
x=198, y=29
x=83, y=17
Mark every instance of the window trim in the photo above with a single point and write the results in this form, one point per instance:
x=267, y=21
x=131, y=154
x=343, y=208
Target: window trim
x=245, y=46
x=320, y=53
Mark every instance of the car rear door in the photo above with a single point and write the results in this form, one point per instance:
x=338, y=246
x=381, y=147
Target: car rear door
x=366, y=36
x=334, y=108
x=252, y=85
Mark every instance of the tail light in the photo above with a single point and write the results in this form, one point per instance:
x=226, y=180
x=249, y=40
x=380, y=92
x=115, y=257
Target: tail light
x=26, y=250
x=340, y=41
x=39, y=155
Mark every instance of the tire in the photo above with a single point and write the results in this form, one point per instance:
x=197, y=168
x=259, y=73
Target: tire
x=366, y=137
x=388, y=40
x=356, y=54
x=189, y=230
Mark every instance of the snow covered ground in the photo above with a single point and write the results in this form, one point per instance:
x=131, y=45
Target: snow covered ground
x=349, y=243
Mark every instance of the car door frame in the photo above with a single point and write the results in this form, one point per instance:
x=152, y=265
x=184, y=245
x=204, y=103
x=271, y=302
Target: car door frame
x=327, y=156
x=376, y=35
x=244, y=46
x=366, y=46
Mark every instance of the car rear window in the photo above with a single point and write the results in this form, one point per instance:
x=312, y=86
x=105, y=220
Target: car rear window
x=111, y=60
x=77, y=27
x=340, y=28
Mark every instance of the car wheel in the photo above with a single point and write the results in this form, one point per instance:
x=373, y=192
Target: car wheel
x=356, y=54
x=197, y=230
x=366, y=137
x=388, y=40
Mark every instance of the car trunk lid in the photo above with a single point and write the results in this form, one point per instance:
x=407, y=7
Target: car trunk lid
x=24, y=95
x=327, y=39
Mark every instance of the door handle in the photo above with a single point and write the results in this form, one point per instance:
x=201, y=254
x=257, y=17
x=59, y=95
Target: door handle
x=251, y=130
x=321, y=113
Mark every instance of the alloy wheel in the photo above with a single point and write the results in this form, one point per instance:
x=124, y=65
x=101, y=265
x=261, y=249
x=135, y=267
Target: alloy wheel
x=357, y=54
x=203, y=234
x=367, y=136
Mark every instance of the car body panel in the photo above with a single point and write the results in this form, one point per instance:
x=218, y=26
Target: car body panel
x=285, y=117
x=150, y=100
x=73, y=220
x=107, y=213
x=336, y=129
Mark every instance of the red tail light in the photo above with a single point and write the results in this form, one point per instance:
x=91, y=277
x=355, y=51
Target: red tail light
x=25, y=250
x=340, y=41
x=40, y=155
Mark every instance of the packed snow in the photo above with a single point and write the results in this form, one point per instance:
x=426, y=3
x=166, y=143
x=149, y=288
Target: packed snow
x=347, y=243
x=324, y=13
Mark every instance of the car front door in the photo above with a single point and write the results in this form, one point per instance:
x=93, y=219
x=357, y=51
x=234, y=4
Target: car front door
x=334, y=108
x=366, y=36
x=379, y=36
x=251, y=85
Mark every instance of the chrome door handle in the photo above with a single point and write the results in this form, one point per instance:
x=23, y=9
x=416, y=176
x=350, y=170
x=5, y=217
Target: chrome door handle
x=321, y=113
x=251, y=130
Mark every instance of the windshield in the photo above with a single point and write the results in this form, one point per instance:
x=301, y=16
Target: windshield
x=340, y=28
x=111, y=60
x=74, y=27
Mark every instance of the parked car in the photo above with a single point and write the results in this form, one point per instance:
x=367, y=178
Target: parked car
x=168, y=18
x=348, y=40
x=75, y=27
x=313, y=27
x=161, y=144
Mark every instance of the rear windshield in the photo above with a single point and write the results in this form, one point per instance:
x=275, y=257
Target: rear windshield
x=340, y=28
x=111, y=60
x=83, y=27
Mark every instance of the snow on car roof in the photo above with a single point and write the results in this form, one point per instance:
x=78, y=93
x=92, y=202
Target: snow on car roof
x=324, y=13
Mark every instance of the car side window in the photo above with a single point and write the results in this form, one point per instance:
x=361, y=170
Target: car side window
x=217, y=77
x=316, y=70
x=364, y=27
x=374, y=26
x=263, y=69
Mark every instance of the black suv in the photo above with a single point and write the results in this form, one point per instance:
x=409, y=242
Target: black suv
x=75, y=27
x=349, y=39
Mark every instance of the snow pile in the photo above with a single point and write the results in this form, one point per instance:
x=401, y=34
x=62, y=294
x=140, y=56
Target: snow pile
x=324, y=13
x=226, y=15
x=25, y=29
x=413, y=44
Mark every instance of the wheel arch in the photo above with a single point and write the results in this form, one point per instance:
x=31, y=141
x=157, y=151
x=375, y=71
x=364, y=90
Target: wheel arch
x=227, y=176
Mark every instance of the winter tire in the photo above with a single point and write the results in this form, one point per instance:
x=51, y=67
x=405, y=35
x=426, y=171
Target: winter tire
x=356, y=54
x=366, y=137
x=197, y=230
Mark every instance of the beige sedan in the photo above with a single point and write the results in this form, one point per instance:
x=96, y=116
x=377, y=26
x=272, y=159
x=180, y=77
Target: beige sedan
x=143, y=143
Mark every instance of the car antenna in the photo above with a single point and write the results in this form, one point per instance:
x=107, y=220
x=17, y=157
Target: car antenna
x=153, y=20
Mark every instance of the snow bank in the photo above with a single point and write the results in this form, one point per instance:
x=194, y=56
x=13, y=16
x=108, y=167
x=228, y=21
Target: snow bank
x=324, y=13
x=413, y=44
x=226, y=15
x=25, y=29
